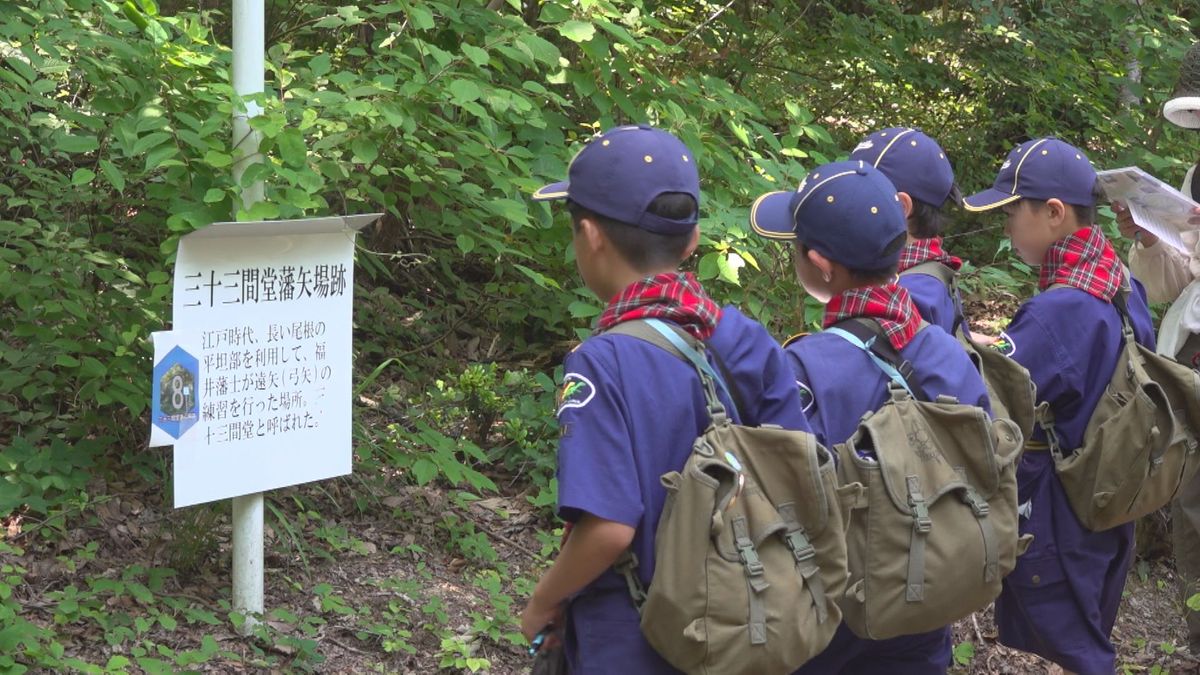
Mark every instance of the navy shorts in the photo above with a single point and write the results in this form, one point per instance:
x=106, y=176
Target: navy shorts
x=921, y=654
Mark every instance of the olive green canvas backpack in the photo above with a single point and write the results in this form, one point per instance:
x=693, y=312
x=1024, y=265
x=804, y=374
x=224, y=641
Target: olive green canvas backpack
x=750, y=552
x=1140, y=444
x=936, y=529
x=1010, y=389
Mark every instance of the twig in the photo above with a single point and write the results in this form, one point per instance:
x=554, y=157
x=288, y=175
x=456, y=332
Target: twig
x=520, y=547
x=347, y=647
x=978, y=633
x=707, y=21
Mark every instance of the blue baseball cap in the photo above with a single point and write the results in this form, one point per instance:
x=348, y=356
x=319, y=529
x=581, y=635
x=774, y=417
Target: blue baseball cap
x=913, y=161
x=1044, y=168
x=847, y=211
x=622, y=170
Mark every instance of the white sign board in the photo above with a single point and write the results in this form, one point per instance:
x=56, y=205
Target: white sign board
x=268, y=306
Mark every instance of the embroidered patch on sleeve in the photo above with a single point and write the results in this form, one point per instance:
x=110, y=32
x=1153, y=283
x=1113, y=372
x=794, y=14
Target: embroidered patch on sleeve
x=1005, y=345
x=806, y=397
x=576, y=392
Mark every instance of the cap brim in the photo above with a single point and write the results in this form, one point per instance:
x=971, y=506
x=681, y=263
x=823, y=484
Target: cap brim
x=989, y=199
x=771, y=216
x=1183, y=111
x=552, y=191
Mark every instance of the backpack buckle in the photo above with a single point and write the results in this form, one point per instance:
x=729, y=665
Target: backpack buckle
x=921, y=520
x=977, y=503
x=800, y=547
x=749, y=558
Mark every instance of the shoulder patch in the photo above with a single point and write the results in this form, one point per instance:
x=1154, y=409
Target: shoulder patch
x=1005, y=345
x=806, y=397
x=576, y=392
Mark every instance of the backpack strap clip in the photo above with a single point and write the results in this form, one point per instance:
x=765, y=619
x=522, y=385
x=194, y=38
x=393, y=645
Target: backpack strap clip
x=626, y=566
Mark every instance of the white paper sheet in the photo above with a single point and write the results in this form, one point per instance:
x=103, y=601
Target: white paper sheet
x=1155, y=206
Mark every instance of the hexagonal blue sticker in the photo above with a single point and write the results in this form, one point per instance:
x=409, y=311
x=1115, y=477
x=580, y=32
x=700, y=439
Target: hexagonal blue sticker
x=175, y=406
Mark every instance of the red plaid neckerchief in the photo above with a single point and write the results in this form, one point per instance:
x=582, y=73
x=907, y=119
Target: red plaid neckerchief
x=924, y=250
x=889, y=304
x=1084, y=260
x=674, y=296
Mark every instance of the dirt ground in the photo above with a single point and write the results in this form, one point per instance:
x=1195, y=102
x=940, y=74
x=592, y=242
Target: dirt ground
x=400, y=558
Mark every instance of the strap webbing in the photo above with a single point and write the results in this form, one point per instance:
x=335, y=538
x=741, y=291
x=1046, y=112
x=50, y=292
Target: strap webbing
x=916, y=546
x=805, y=555
x=981, y=509
x=949, y=278
x=755, y=579
x=675, y=341
x=888, y=369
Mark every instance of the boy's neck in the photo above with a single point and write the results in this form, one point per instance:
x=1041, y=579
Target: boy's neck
x=623, y=278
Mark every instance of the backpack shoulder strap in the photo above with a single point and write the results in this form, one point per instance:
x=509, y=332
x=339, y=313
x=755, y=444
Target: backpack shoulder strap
x=678, y=342
x=933, y=268
x=949, y=278
x=868, y=335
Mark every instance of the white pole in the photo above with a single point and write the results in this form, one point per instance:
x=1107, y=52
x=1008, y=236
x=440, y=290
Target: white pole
x=249, y=49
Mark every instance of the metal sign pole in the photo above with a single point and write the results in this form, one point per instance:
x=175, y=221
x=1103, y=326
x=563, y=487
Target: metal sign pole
x=249, y=49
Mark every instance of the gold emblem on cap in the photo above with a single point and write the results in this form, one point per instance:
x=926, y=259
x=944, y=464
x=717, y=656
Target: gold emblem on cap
x=941, y=155
x=648, y=159
x=605, y=142
x=913, y=143
x=685, y=158
x=1045, y=152
x=1077, y=156
x=874, y=209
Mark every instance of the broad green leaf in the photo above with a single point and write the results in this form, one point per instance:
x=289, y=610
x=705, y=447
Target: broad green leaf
x=466, y=244
x=581, y=310
x=214, y=195
x=76, y=143
x=577, y=31
x=319, y=64
x=478, y=56
x=292, y=150
x=464, y=91
x=421, y=18
x=365, y=151
x=82, y=177
x=113, y=174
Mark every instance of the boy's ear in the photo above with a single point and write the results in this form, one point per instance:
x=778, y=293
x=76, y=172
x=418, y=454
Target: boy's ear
x=906, y=202
x=591, y=233
x=1057, y=211
x=693, y=242
x=825, y=265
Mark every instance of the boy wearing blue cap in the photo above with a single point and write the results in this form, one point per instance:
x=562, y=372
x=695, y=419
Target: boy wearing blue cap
x=629, y=411
x=1061, y=600
x=848, y=226
x=924, y=181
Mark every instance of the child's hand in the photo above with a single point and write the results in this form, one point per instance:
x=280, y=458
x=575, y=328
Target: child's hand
x=986, y=340
x=1131, y=229
x=537, y=618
